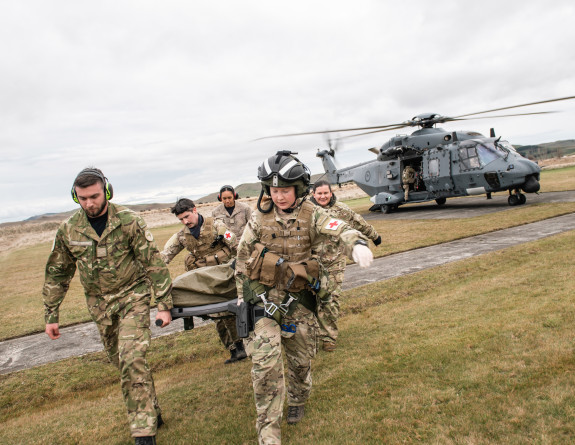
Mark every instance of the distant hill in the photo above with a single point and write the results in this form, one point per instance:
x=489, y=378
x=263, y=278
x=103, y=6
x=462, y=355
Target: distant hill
x=248, y=190
x=547, y=150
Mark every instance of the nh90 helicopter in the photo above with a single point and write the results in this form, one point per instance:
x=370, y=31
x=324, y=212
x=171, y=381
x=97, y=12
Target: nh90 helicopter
x=445, y=164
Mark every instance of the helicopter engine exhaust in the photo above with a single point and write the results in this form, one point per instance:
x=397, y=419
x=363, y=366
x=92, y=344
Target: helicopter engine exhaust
x=531, y=185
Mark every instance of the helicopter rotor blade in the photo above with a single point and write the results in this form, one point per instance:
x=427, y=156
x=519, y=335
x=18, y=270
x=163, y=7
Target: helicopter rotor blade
x=415, y=122
x=396, y=127
x=334, y=131
x=328, y=140
x=518, y=106
x=453, y=119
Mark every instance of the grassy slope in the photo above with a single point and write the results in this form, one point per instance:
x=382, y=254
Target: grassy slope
x=479, y=351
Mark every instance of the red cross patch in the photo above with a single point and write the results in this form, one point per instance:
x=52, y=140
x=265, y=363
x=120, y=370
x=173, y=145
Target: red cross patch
x=228, y=234
x=333, y=224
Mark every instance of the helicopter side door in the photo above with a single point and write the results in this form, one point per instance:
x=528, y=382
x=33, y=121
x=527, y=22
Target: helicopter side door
x=437, y=174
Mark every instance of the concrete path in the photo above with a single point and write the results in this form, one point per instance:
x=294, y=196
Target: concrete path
x=34, y=350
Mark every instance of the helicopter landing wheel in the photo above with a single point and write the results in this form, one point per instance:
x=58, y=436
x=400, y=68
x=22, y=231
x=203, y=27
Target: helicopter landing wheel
x=513, y=200
x=386, y=208
x=440, y=201
x=522, y=198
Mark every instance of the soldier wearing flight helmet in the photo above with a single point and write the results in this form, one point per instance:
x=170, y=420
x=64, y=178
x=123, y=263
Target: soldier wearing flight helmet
x=278, y=271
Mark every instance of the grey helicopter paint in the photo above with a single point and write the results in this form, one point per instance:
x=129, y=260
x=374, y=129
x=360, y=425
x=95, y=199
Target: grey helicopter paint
x=447, y=164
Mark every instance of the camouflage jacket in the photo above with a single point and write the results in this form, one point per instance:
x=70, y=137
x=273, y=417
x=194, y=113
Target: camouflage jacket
x=322, y=225
x=199, y=249
x=330, y=250
x=408, y=175
x=237, y=221
x=117, y=269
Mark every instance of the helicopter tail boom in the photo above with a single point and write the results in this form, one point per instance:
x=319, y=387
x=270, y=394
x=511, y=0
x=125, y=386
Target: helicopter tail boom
x=328, y=163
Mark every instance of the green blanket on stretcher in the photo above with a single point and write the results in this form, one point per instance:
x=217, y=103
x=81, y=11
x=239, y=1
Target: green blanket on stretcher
x=206, y=285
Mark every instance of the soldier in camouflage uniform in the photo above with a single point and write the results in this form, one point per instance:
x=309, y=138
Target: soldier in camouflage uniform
x=333, y=259
x=209, y=243
x=408, y=179
x=234, y=214
x=281, y=237
x=119, y=265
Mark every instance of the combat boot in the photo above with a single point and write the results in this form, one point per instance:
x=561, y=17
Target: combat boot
x=240, y=351
x=236, y=354
x=295, y=414
x=146, y=440
x=233, y=357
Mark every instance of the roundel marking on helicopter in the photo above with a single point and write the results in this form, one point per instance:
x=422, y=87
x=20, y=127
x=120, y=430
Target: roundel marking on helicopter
x=367, y=176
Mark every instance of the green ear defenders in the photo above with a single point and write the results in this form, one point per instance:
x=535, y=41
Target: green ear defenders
x=98, y=174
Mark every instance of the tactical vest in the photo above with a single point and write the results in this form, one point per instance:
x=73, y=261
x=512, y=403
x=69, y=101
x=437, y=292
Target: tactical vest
x=293, y=244
x=282, y=259
x=201, y=251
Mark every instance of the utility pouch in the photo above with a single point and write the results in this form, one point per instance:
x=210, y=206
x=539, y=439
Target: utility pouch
x=221, y=256
x=299, y=276
x=270, y=271
x=254, y=263
x=190, y=262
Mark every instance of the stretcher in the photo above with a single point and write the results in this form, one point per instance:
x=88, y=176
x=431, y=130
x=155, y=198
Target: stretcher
x=204, y=293
x=205, y=312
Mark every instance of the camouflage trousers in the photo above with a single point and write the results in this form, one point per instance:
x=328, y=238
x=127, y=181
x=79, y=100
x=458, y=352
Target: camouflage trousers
x=126, y=341
x=328, y=310
x=406, y=191
x=227, y=330
x=264, y=346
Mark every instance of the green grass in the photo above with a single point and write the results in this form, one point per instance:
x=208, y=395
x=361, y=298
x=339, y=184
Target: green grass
x=474, y=352
x=22, y=270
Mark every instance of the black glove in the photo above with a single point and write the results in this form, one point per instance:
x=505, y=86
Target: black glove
x=377, y=241
x=217, y=240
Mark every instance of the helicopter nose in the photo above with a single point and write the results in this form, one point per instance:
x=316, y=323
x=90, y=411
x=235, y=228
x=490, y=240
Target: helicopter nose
x=531, y=185
x=531, y=171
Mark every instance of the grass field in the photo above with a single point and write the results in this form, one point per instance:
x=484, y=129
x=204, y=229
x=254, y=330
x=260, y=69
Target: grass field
x=22, y=270
x=474, y=352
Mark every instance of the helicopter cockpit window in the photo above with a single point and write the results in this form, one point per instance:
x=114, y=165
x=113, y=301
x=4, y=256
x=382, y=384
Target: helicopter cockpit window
x=489, y=153
x=479, y=155
x=468, y=157
x=503, y=145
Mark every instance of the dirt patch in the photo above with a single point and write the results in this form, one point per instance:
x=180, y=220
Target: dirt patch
x=564, y=161
x=26, y=233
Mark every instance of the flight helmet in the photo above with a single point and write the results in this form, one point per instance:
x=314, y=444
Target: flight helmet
x=284, y=170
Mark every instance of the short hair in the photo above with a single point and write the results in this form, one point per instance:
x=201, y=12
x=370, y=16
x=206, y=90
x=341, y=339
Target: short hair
x=321, y=183
x=89, y=176
x=183, y=205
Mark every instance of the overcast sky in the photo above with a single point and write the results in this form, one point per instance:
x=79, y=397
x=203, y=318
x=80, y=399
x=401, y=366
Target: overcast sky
x=165, y=96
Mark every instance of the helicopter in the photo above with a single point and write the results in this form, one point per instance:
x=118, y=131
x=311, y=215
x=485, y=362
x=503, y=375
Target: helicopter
x=445, y=164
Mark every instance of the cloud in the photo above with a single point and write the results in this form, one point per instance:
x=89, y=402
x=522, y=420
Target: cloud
x=168, y=96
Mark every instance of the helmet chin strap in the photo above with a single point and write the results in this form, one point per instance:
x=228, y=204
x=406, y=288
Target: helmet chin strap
x=291, y=208
x=295, y=204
